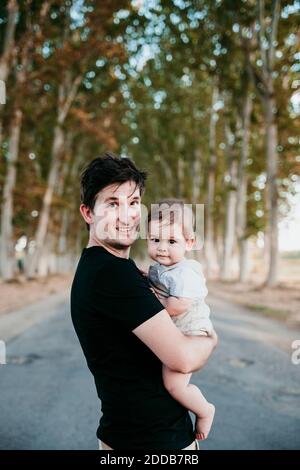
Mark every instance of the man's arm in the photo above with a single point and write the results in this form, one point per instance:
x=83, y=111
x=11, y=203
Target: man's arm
x=178, y=352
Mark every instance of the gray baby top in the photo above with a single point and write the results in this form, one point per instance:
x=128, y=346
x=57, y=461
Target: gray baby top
x=184, y=279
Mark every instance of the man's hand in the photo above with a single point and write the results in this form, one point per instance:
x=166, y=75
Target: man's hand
x=143, y=272
x=160, y=297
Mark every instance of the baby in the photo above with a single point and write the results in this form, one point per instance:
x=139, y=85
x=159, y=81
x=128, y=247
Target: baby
x=180, y=286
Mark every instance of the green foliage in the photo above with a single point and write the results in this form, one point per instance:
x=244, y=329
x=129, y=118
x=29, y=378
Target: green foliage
x=148, y=76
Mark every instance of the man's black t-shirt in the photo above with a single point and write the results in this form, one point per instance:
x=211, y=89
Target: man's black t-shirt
x=109, y=299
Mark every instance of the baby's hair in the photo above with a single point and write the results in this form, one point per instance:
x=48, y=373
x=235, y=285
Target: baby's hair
x=171, y=211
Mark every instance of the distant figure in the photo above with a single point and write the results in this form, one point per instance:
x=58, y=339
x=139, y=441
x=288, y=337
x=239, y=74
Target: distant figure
x=20, y=256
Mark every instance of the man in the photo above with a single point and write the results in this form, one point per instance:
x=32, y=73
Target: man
x=125, y=332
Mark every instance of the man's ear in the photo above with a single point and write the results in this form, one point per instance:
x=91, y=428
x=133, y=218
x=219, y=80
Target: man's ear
x=190, y=243
x=86, y=213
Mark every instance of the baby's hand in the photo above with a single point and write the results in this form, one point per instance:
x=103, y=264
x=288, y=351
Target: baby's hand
x=177, y=305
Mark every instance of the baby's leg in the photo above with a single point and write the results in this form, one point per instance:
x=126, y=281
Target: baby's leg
x=191, y=398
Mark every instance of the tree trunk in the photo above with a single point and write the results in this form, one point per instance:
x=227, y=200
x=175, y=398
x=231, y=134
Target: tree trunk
x=57, y=146
x=169, y=177
x=66, y=95
x=180, y=177
x=264, y=85
x=63, y=254
x=209, y=248
x=180, y=166
x=196, y=177
x=7, y=249
x=271, y=187
x=8, y=48
x=7, y=246
x=9, y=40
x=229, y=230
x=241, y=208
x=244, y=260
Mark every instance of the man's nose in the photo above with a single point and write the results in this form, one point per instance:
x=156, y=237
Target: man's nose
x=123, y=214
x=127, y=214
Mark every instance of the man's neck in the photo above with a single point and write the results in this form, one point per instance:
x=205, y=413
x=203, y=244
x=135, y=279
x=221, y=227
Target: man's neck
x=121, y=253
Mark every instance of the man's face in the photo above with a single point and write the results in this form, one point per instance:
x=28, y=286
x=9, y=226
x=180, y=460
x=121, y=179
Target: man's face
x=116, y=215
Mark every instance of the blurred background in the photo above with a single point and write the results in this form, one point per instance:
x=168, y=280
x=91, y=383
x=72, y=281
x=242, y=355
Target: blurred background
x=205, y=96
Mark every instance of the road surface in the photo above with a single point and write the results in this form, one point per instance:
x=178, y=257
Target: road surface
x=48, y=398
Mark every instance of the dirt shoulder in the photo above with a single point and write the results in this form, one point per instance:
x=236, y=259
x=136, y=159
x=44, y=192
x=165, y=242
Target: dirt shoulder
x=20, y=293
x=281, y=303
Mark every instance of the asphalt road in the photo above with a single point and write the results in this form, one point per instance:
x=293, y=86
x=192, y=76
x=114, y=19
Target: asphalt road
x=48, y=399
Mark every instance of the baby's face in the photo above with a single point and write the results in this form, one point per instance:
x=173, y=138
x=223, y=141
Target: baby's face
x=166, y=243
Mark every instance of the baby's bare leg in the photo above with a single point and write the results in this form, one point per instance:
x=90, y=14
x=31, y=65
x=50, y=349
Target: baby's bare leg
x=191, y=398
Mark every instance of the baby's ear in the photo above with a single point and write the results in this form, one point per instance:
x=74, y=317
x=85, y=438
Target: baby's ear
x=190, y=243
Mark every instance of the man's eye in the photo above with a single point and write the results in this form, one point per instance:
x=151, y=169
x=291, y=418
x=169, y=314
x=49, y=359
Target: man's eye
x=135, y=203
x=172, y=242
x=112, y=204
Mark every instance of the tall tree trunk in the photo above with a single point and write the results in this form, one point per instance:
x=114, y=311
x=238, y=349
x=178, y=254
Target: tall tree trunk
x=209, y=248
x=169, y=177
x=272, y=191
x=66, y=95
x=229, y=230
x=180, y=177
x=9, y=39
x=196, y=187
x=6, y=236
x=241, y=208
x=180, y=166
x=8, y=48
x=6, y=240
x=40, y=236
x=63, y=216
x=196, y=177
x=263, y=80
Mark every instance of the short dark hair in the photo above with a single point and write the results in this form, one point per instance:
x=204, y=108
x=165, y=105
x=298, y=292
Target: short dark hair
x=105, y=170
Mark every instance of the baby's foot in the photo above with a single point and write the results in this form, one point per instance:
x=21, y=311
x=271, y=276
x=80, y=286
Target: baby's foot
x=204, y=423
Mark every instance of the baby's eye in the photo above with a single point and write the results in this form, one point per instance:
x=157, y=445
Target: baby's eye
x=155, y=240
x=172, y=242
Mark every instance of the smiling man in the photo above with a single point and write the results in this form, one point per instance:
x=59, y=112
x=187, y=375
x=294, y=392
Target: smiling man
x=123, y=329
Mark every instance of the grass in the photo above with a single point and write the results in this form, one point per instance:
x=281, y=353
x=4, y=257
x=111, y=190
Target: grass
x=270, y=312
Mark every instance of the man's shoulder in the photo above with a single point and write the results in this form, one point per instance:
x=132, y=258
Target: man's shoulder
x=121, y=272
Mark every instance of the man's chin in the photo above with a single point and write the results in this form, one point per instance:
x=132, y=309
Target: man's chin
x=120, y=243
